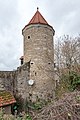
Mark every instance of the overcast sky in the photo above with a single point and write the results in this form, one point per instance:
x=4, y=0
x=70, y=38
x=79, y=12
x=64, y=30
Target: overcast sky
x=63, y=15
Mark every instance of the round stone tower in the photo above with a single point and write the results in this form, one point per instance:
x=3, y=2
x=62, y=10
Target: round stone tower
x=39, y=50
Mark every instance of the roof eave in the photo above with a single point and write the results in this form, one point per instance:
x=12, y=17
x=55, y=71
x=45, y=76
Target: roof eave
x=37, y=23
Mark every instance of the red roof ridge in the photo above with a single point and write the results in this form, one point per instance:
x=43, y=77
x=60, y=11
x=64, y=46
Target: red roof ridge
x=38, y=18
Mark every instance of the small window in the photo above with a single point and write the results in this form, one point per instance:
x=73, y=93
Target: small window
x=31, y=63
x=28, y=37
x=49, y=63
x=35, y=73
x=30, y=94
x=54, y=65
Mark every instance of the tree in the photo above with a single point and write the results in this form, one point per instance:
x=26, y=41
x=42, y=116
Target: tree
x=67, y=57
x=67, y=52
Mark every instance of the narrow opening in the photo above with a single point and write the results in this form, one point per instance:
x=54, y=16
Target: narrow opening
x=35, y=73
x=30, y=100
x=28, y=37
x=11, y=84
x=49, y=63
x=54, y=65
x=21, y=61
x=30, y=94
x=31, y=63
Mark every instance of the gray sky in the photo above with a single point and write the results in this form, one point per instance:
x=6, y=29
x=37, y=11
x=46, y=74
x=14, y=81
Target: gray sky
x=63, y=15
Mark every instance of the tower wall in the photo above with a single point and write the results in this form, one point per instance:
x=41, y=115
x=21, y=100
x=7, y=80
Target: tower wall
x=38, y=43
x=39, y=50
x=23, y=75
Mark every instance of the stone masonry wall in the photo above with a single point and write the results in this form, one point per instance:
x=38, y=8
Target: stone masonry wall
x=39, y=50
x=7, y=80
x=16, y=81
x=23, y=75
x=38, y=43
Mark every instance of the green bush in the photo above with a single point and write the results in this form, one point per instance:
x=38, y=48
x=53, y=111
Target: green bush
x=1, y=114
x=74, y=80
x=68, y=83
x=28, y=117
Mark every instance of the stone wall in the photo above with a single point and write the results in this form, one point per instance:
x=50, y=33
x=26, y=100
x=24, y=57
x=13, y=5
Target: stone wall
x=23, y=75
x=39, y=50
x=7, y=79
x=38, y=43
x=15, y=81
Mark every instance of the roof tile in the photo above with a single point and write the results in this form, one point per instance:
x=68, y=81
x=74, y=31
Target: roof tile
x=37, y=18
x=6, y=98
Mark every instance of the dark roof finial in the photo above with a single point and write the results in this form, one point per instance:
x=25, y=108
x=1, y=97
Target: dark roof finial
x=37, y=8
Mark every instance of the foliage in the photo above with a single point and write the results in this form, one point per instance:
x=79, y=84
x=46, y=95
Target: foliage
x=34, y=106
x=74, y=80
x=68, y=82
x=28, y=117
x=67, y=59
x=67, y=52
x=37, y=105
x=18, y=105
x=62, y=86
x=66, y=108
x=78, y=98
x=11, y=117
x=25, y=117
x=1, y=114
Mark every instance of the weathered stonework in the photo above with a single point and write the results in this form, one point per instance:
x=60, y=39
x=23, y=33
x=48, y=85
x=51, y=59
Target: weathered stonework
x=7, y=80
x=15, y=81
x=23, y=75
x=38, y=49
x=38, y=65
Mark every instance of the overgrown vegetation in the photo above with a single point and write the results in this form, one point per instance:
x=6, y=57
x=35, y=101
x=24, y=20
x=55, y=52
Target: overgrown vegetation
x=68, y=83
x=67, y=59
x=11, y=117
x=74, y=81
x=67, y=108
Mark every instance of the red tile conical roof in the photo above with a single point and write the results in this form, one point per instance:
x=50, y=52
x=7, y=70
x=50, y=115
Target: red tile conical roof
x=37, y=18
